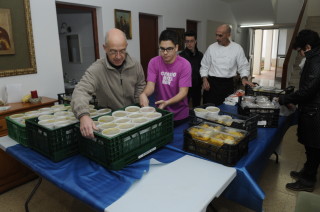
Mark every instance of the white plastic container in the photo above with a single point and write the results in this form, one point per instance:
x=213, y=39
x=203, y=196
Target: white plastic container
x=132, y=109
x=48, y=123
x=212, y=111
x=58, y=124
x=17, y=117
x=111, y=132
x=153, y=116
x=200, y=112
x=104, y=111
x=57, y=108
x=107, y=125
x=135, y=115
x=140, y=121
x=122, y=120
x=126, y=126
x=33, y=113
x=96, y=123
x=106, y=119
x=61, y=113
x=119, y=114
x=147, y=109
x=46, y=117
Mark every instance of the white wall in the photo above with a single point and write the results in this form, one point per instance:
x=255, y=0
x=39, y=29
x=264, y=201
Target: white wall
x=49, y=79
x=313, y=8
x=282, y=48
x=288, y=11
x=257, y=51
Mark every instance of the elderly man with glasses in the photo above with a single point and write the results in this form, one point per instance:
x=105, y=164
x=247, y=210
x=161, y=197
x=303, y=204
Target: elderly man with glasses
x=220, y=64
x=117, y=81
x=169, y=76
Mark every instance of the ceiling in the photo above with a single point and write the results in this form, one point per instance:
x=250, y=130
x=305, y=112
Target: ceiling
x=264, y=11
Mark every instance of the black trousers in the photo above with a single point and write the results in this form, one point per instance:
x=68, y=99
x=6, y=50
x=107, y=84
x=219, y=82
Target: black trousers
x=195, y=95
x=177, y=123
x=311, y=165
x=220, y=88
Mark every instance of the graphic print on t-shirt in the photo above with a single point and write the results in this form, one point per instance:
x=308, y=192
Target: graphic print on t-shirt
x=167, y=77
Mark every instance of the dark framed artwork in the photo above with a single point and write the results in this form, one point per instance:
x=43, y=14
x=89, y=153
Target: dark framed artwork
x=6, y=40
x=180, y=32
x=22, y=59
x=122, y=21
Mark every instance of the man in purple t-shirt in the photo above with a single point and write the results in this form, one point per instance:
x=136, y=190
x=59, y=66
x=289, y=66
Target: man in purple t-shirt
x=169, y=76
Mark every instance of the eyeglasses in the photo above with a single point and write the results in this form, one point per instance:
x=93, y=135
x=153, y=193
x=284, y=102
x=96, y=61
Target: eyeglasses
x=189, y=41
x=115, y=52
x=168, y=50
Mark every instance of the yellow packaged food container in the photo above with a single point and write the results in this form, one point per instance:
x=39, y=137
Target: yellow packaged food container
x=200, y=133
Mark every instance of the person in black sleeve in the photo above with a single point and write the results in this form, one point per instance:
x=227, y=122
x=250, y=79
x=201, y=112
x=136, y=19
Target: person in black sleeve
x=307, y=97
x=194, y=56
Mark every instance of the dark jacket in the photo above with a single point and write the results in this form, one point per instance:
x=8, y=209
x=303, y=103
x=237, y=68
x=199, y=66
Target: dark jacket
x=195, y=61
x=308, y=100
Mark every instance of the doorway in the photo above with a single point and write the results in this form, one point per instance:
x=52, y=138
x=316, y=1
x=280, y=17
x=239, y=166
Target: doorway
x=265, y=57
x=268, y=50
x=192, y=26
x=148, y=29
x=78, y=41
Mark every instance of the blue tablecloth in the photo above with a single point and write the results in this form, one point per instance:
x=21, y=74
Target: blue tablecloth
x=244, y=188
x=85, y=179
x=100, y=187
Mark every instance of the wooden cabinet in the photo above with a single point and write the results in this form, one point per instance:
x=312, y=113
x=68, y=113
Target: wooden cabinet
x=12, y=172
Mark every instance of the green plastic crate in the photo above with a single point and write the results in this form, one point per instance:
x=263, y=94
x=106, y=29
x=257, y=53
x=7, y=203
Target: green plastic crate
x=56, y=144
x=17, y=132
x=118, y=151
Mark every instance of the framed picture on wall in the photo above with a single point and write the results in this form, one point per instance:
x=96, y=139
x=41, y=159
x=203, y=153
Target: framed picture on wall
x=18, y=57
x=180, y=32
x=122, y=19
x=6, y=37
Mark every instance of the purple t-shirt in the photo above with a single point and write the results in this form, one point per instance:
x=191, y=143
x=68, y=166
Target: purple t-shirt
x=168, y=79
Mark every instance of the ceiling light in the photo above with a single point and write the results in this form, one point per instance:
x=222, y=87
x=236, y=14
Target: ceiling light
x=255, y=25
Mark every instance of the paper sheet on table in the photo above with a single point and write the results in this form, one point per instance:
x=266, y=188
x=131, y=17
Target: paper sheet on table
x=188, y=184
x=14, y=93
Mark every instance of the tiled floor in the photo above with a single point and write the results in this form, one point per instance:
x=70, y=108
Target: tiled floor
x=274, y=179
x=267, y=78
x=50, y=198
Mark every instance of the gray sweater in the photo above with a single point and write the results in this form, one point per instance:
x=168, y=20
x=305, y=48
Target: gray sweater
x=113, y=88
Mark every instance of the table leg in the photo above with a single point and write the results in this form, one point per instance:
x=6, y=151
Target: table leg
x=32, y=193
x=211, y=207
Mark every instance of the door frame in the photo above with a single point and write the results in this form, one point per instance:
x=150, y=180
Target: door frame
x=94, y=23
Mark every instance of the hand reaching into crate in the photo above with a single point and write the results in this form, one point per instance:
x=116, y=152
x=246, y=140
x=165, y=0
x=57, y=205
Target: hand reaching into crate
x=144, y=101
x=87, y=126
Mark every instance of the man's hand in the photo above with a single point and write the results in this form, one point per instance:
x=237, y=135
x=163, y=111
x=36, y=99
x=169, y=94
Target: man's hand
x=291, y=106
x=205, y=84
x=144, y=101
x=87, y=126
x=162, y=104
x=245, y=82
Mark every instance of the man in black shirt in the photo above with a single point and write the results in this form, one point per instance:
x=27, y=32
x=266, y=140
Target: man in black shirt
x=194, y=56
